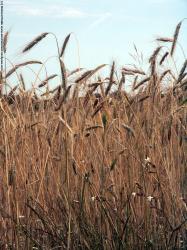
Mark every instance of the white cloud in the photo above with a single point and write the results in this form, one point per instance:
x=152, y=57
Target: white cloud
x=49, y=10
x=160, y=1
x=54, y=10
x=13, y=2
x=102, y=18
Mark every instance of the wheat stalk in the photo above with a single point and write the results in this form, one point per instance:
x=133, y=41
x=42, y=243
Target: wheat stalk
x=134, y=71
x=175, y=37
x=111, y=80
x=10, y=72
x=43, y=83
x=141, y=83
x=64, y=45
x=164, y=57
x=34, y=42
x=164, y=39
x=5, y=41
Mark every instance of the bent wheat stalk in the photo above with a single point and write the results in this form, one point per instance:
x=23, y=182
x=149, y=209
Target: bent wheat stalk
x=10, y=72
x=64, y=45
x=175, y=38
x=34, y=42
x=43, y=83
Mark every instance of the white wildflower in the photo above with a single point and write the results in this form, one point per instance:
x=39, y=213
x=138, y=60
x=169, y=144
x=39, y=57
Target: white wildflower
x=75, y=201
x=149, y=198
x=147, y=160
x=133, y=194
x=93, y=198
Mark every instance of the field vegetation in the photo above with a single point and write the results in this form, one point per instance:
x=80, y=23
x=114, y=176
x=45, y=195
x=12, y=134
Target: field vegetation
x=93, y=164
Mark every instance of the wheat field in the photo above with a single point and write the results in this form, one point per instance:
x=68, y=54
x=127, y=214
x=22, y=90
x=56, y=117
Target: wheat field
x=92, y=165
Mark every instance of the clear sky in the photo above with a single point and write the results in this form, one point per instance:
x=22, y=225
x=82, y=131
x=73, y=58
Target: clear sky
x=105, y=29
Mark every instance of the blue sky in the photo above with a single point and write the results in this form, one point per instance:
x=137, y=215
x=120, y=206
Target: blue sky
x=105, y=29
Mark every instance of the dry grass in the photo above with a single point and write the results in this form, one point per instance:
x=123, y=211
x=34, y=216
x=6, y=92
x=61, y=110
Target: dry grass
x=104, y=170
